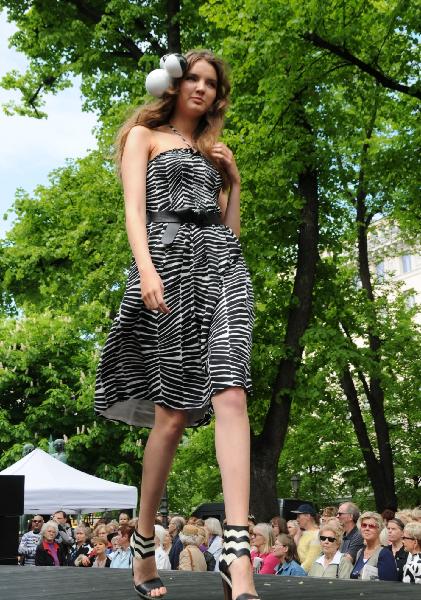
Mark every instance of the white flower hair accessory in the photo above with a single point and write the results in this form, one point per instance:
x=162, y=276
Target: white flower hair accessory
x=172, y=66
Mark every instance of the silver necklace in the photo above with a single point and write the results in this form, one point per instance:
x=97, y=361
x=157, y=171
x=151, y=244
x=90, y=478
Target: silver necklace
x=174, y=130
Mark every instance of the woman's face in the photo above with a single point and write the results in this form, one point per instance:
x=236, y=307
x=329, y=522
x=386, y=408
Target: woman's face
x=167, y=540
x=279, y=550
x=102, y=532
x=80, y=537
x=328, y=541
x=100, y=548
x=198, y=89
x=50, y=534
x=394, y=533
x=410, y=543
x=369, y=530
x=275, y=529
x=258, y=539
x=292, y=529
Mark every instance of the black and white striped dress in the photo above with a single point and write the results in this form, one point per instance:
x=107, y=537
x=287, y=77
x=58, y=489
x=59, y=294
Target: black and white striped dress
x=180, y=360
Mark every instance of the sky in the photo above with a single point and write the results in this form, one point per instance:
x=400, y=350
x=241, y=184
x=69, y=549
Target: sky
x=32, y=148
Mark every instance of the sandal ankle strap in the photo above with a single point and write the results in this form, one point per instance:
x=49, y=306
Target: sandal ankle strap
x=141, y=546
x=236, y=544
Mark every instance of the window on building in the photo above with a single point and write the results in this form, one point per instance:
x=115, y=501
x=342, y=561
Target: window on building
x=380, y=269
x=411, y=301
x=406, y=263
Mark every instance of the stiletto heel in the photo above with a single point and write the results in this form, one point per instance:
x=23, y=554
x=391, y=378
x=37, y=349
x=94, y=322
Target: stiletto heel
x=142, y=547
x=236, y=543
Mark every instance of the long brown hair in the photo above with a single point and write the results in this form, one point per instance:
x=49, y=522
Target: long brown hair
x=160, y=111
x=287, y=541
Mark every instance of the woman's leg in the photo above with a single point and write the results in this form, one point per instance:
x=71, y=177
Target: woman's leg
x=232, y=440
x=157, y=459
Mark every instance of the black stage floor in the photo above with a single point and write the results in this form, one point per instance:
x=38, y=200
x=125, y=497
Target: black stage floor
x=67, y=583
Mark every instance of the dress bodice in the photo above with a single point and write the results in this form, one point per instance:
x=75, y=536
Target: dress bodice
x=182, y=178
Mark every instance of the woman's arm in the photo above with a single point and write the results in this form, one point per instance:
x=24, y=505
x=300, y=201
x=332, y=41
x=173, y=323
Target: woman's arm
x=230, y=207
x=133, y=170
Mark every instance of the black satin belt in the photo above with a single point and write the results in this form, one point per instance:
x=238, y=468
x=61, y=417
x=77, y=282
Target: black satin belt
x=175, y=219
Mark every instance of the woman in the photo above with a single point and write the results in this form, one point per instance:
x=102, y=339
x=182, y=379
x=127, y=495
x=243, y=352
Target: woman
x=179, y=348
x=214, y=529
x=81, y=546
x=264, y=562
x=49, y=553
x=373, y=561
x=327, y=513
x=191, y=557
x=279, y=525
x=294, y=530
x=331, y=563
x=412, y=542
x=395, y=534
x=100, y=559
x=161, y=557
x=285, y=551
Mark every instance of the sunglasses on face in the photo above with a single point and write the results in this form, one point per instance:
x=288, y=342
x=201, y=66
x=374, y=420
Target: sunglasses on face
x=327, y=538
x=408, y=538
x=368, y=526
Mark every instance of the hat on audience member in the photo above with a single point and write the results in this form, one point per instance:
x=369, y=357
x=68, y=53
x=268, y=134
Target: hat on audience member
x=305, y=509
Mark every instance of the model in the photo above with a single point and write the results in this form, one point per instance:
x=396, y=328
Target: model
x=179, y=348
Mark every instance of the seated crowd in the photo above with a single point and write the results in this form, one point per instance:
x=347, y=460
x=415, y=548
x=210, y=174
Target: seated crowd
x=337, y=543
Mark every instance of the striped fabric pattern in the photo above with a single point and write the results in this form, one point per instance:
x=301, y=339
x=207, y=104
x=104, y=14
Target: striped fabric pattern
x=182, y=359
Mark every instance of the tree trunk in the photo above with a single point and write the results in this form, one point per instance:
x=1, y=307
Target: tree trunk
x=266, y=447
x=174, y=42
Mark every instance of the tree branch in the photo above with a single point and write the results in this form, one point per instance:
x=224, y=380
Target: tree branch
x=345, y=54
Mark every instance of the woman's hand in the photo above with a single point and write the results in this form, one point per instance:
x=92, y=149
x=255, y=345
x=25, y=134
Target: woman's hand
x=152, y=290
x=223, y=155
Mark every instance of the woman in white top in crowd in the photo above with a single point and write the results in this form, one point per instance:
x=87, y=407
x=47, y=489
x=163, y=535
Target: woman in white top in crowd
x=161, y=557
x=214, y=529
x=412, y=542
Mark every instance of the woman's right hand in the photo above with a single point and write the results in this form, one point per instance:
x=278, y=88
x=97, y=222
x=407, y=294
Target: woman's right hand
x=152, y=290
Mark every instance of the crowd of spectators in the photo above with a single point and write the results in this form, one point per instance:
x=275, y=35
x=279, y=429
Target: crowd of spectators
x=335, y=543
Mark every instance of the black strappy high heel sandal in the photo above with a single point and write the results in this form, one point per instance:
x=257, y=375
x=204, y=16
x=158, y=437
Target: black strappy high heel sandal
x=141, y=548
x=236, y=544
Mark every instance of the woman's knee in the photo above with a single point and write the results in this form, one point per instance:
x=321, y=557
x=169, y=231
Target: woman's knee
x=171, y=423
x=232, y=402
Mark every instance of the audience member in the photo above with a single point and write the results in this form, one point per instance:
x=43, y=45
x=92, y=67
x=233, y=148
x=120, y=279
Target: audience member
x=412, y=542
x=123, y=519
x=50, y=553
x=395, y=534
x=327, y=513
x=416, y=514
x=294, y=530
x=191, y=558
x=100, y=559
x=332, y=563
x=264, y=562
x=309, y=545
x=373, y=561
x=81, y=545
x=279, y=525
x=122, y=557
x=65, y=533
x=167, y=542
x=352, y=541
x=176, y=524
x=161, y=556
x=214, y=541
x=285, y=550
x=30, y=541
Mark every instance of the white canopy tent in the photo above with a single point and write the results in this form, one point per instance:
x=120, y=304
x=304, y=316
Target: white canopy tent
x=51, y=485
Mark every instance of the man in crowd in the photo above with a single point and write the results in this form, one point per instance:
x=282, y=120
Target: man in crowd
x=122, y=558
x=65, y=532
x=348, y=514
x=175, y=525
x=30, y=541
x=309, y=544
